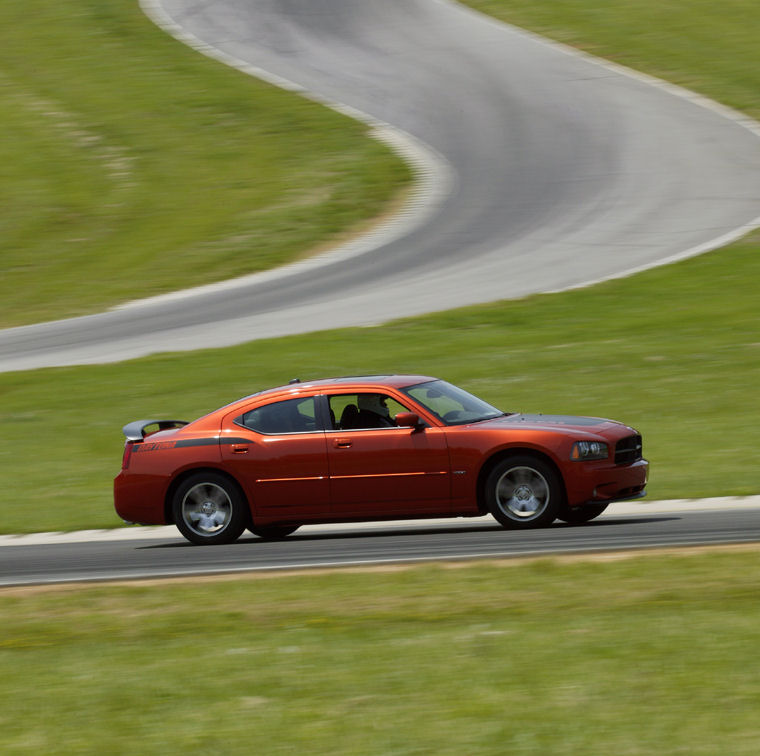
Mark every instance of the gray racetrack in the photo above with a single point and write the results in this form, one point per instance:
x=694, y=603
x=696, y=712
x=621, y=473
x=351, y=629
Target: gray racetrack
x=624, y=527
x=551, y=171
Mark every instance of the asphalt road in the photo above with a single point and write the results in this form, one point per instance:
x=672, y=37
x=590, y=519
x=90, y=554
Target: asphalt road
x=168, y=555
x=542, y=170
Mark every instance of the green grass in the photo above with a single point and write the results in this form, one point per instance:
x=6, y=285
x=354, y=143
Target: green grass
x=705, y=46
x=652, y=655
x=132, y=165
x=674, y=352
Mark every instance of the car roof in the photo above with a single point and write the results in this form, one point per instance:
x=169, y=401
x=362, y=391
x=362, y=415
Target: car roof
x=352, y=381
x=296, y=387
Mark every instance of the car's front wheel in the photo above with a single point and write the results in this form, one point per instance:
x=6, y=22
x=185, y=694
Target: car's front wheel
x=523, y=492
x=209, y=509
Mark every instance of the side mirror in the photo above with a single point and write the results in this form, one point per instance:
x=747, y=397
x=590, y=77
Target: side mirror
x=407, y=420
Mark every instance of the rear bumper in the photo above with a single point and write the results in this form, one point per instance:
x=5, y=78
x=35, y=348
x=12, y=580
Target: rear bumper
x=139, y=498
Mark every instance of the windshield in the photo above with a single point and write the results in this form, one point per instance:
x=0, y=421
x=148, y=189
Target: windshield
x=450, y=404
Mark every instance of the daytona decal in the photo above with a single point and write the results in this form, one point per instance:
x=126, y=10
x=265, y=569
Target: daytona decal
x=148, y=446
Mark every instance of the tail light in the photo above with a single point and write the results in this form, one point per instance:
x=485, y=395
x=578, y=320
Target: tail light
x=127, y=454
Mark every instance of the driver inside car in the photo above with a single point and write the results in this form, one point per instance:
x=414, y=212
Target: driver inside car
x=373, y=412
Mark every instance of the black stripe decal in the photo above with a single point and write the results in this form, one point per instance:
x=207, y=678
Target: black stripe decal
x=197, y=442
x=212, y=441
x=149, y=446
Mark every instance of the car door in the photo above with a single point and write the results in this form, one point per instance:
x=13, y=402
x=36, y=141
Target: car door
x=378, y=469
x=278, y=452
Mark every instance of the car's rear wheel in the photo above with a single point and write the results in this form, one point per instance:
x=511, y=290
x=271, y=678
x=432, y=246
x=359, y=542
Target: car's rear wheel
x=523, y=492
x=273, y=532
x=581, y=514
x=209, y=509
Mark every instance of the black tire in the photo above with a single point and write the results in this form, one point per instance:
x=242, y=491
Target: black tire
x=524, y=492
x=273, y=532
x=209, y=509
x=581, y=514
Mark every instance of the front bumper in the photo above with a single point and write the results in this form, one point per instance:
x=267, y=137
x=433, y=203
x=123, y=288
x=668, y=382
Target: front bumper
x=604, y=483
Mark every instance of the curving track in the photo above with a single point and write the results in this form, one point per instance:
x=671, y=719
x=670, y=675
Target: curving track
x=545, y=170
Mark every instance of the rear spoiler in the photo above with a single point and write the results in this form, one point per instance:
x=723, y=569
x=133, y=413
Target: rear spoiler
x=136, y=431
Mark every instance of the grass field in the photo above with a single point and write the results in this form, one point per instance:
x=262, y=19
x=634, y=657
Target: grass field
x=132, y=165
x=641, y=656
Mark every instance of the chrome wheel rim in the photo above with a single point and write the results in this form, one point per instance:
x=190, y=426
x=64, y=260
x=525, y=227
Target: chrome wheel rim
x=206, y=509
x=522, y=493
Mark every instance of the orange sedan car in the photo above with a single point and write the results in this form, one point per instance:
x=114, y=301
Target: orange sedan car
x=371, y=448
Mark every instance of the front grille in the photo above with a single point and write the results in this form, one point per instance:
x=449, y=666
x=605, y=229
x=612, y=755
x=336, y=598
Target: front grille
x=628, y=450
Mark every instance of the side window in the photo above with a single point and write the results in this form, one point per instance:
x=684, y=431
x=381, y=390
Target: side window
x=290, y=416
x=364, y=410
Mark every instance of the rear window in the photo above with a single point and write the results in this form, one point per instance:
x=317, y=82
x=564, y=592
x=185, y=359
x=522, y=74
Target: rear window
x=289, y=416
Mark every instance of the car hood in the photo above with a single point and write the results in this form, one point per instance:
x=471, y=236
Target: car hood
x=555, y=422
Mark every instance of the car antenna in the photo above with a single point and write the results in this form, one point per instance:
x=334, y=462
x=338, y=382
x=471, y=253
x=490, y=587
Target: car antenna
x=294, y=380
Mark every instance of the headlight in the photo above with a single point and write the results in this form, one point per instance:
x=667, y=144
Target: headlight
x=585, y=450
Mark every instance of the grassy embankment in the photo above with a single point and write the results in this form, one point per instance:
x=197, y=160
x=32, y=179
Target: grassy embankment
x=631, y=657
x=673, y=351
x=132, y=165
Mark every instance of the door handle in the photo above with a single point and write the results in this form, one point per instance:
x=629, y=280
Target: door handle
x=240, y=448
x=342, y=443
